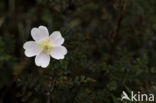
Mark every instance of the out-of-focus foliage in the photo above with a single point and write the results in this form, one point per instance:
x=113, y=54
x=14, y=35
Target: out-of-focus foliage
x=111, y=48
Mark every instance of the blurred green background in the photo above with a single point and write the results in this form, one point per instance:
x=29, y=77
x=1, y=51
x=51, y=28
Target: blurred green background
x=111, y=47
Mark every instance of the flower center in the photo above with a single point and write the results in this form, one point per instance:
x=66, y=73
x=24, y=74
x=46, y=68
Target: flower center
x=45, y=46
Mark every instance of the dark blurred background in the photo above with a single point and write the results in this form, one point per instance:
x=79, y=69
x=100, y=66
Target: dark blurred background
x=111, y=48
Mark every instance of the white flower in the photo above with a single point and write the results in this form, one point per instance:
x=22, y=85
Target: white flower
x=45, y=46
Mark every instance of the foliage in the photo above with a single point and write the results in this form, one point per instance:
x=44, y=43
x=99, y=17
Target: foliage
x=111, y=48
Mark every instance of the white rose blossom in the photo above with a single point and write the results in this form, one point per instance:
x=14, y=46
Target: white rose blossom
x=45, y=46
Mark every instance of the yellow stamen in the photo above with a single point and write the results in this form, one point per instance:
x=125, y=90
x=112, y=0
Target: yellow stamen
x=45, y=46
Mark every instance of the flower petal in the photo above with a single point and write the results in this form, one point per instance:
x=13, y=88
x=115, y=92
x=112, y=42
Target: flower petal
x=42, y=60
x=44, y=30
x=31, y=48
x=59, y=52
x=39, y=33
x=57, y=38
